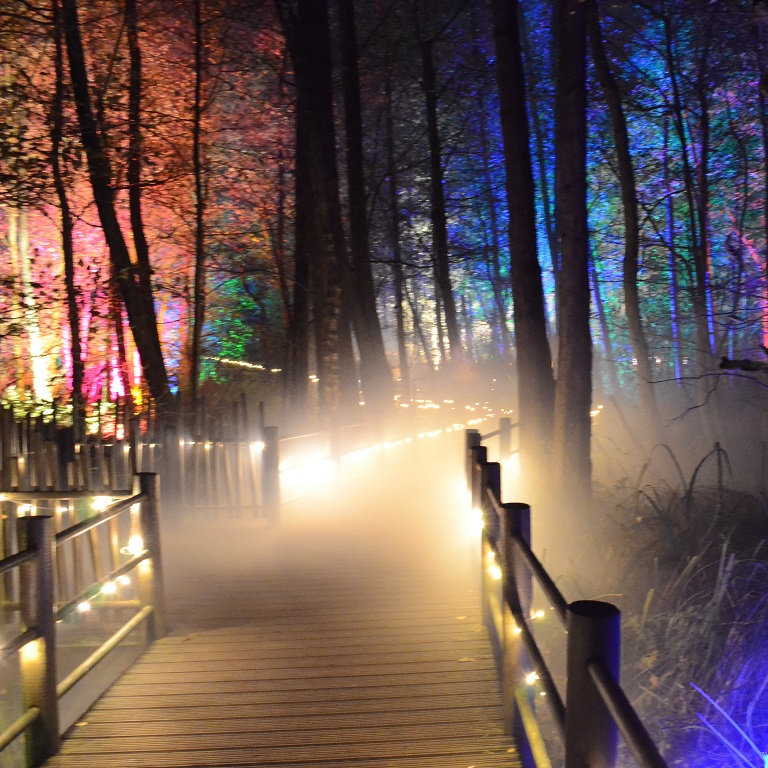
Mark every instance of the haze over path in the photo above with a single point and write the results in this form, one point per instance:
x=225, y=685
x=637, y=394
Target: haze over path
x=349, y=634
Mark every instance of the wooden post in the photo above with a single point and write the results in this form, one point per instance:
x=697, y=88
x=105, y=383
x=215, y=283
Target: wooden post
x=518, y=591
x=151, y=591
x=478, y=457
x=38, y=657
x=270, y=475
x=471, y=440
x=590, y=732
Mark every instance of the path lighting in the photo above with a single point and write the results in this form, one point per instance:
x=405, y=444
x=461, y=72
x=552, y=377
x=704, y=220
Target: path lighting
x=135, y=546
x=31, y=652
x=100, y=503
x=531, y=678
x=494, y=571
x=109, y=588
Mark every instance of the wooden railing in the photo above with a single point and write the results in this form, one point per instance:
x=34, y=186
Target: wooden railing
x=107, y=563
x=596, y=708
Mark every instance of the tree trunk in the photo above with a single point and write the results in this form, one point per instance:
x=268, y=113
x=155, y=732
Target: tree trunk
x=572, y=429
x=626, y=174
x=437, y=202
x=197, y=170
x=534, y=362
x=608, y=355
x=67, y=226
x=398, y=278
x=672, y=259
x=374, y=368
x=319, y=232
x=141, y=312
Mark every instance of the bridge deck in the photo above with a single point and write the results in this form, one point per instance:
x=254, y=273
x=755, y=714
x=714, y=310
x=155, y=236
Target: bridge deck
x=349, y=635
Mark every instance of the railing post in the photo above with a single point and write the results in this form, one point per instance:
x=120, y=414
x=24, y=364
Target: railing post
x=518, y=591
x=150, y=571
x=478, y=458
x=471, y=440
x=505, y=438
x=490, y=479
x=590, y=732
x=38, y=657
x=270, y=475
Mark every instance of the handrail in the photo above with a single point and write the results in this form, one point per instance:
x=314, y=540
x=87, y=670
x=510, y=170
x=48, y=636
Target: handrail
x=101, y=652
x=113, y=510
x=36, y=644
x=638, y=740
x=16, y=560
x=596, y=708
x=554, y=595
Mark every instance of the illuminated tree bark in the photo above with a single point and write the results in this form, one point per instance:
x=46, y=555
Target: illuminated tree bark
x=626, y=173
x=198, y=298
x=374, y=368
x=572, y=467
x=534, y=362
x=67, y=225
x=139, y=305
x=398, y=278
x=437, y=201
x=320, y=247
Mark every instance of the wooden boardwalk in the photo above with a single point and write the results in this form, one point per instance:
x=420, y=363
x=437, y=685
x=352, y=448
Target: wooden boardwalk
x=349, y=635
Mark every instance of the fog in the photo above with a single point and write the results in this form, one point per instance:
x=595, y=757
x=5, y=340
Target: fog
x=387, y=498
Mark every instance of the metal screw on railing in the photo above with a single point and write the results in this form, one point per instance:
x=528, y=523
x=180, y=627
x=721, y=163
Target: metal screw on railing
x=38, y=657
x=150, y=571
x=270, y=475
x=594, y=633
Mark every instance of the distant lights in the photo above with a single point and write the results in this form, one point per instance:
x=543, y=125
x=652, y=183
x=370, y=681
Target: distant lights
x=244, y=364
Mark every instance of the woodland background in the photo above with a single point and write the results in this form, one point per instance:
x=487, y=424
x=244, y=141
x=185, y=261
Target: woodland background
x=562, y=206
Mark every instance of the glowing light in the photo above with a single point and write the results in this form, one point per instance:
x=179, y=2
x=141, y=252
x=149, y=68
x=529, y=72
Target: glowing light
x=31, y=652
x=109, y=588
x=84, y=607
x=739, y=730
x=257, y=446
x=531, y=678
x=124, y=580
x=26, y=509
x=135, y=546
x=492, y=566
x=100, y=503
x=538, y=615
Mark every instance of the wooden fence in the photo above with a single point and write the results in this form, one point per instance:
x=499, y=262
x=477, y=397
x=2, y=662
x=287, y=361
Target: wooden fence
x=595, y=708
x=73, y=594
x=213, y=467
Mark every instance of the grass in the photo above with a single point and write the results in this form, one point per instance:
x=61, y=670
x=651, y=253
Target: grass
x=694, y=571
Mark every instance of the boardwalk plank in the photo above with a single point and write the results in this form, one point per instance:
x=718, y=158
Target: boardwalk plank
x=350, y=635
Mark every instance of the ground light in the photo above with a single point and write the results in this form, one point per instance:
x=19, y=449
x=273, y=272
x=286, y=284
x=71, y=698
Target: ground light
x=762, y=757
